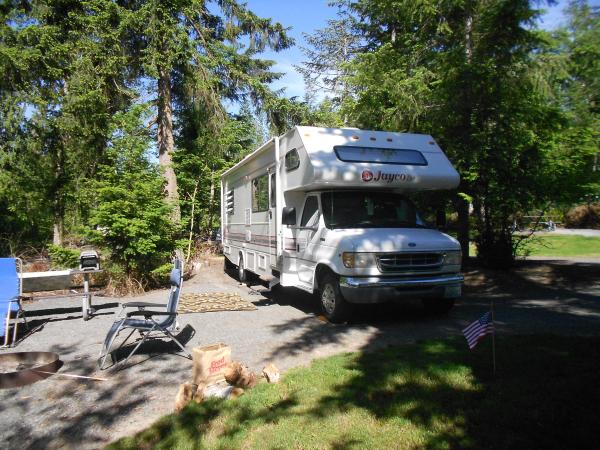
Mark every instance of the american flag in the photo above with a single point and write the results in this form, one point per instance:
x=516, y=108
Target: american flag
x=478, y=329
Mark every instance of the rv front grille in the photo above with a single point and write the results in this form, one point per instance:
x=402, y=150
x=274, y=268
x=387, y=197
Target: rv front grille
x=409, y=261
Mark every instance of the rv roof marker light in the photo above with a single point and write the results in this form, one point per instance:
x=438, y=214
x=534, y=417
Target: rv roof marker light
x=389, y=139
x=431, y=142
x=373, y=138
x=355, y=137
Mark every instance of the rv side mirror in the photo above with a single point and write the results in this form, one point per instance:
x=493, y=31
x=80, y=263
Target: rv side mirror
x=288, y=215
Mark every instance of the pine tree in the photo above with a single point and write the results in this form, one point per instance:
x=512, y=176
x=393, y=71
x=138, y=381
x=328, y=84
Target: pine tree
x=185, y=47
x=62, y=64
x=461, y=70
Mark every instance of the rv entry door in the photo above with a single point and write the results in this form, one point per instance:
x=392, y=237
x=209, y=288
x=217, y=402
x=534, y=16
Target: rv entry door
x=307, y=239
x=272, y=218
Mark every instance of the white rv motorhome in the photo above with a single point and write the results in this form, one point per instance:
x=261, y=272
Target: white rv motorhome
x=326, y=210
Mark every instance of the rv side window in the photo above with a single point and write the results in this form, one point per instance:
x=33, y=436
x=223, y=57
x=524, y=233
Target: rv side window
x=230, y=204
x=380, y=155
x=272, y=191
x=260, y=193
x=292, y=160
x=310, y=213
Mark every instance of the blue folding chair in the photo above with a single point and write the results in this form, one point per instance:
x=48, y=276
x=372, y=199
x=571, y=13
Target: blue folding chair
x=10, y=297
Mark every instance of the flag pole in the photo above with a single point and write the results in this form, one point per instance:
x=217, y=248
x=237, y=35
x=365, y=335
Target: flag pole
x=493, y=338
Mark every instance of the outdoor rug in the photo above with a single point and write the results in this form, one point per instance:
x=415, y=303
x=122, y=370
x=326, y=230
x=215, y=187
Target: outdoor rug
x=213, y=301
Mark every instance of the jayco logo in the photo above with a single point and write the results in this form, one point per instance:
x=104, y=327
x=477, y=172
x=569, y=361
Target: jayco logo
x=367, y=176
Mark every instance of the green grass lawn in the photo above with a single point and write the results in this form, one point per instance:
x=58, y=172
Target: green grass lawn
x=548, y=244
x=435, y=394
x=557, y=245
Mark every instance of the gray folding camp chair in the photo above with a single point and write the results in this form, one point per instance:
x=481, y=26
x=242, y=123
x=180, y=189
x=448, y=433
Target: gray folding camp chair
x=152, y=323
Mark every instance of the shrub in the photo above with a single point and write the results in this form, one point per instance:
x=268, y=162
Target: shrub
x=160, y=275
x=63, y=257
x=584, y=216
x=118, y=283
x=131, y=218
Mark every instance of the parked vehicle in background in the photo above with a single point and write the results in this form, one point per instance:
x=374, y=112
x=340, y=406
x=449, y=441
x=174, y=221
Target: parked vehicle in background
x=328, y=210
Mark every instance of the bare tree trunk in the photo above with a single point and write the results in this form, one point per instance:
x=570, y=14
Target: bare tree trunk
x=166, y=145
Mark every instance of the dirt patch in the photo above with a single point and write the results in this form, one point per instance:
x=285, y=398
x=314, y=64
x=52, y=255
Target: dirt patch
x=530, y=275
x=212, y=302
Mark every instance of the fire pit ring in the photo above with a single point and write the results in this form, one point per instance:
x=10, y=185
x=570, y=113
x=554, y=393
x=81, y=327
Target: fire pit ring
x=22, y=368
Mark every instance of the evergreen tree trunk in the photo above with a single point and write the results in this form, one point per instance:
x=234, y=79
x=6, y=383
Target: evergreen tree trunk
x=462, y=207
x=211, y=201
x=58, y=201
x=59, y=227
x=440, y=217
x=166, y=144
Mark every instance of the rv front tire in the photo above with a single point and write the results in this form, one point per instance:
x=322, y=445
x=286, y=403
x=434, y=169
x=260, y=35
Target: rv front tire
x=335, y=308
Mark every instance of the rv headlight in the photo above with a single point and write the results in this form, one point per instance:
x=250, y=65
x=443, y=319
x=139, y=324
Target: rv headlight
x=453, y=258
x=358, y=260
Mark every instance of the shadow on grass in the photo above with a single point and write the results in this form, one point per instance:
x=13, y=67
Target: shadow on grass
x=435, y=394
x=228, y=421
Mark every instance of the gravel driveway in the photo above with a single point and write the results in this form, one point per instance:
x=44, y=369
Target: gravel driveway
x=539, y=297
x=577, y=232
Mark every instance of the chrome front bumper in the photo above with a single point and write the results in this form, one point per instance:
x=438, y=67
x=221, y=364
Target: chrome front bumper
x=383, y=289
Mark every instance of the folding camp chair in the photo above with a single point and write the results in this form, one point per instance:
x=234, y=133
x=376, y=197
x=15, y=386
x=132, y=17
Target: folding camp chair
x=153, y=322
x=10, y=297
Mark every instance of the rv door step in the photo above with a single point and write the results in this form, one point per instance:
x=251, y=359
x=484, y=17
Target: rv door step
x=292, y=280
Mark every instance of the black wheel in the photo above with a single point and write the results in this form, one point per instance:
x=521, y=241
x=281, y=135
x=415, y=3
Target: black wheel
x=228, y=266
x=438, y=306
x=242, y=276
x=335, y=308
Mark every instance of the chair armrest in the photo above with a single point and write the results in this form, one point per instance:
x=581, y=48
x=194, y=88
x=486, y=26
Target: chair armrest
x=141, y=305
x=147, y=314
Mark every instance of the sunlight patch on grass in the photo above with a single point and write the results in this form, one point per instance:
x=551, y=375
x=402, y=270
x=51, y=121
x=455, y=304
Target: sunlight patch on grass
x=553, y=245
x=565, y=246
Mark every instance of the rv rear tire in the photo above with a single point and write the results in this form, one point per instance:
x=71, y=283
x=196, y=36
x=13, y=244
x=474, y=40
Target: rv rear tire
x=242, y=276
x=335, y=308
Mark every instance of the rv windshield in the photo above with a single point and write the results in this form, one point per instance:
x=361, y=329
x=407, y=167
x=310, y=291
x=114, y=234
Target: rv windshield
x=364, y=209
